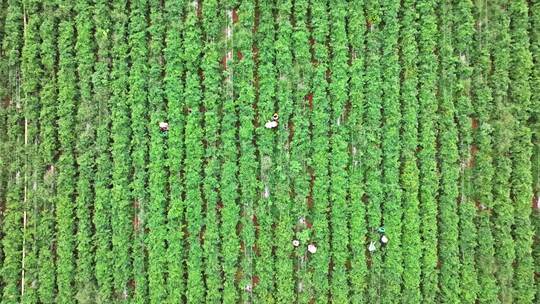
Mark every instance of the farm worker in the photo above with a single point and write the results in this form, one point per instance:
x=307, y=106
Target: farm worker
x=371, y=247
x=248, y=288
x=163, y=126
x=300, y=286
x=312, y=248
x=296, y=243
x=272, y=123
x=380, y=229
x=384, y=240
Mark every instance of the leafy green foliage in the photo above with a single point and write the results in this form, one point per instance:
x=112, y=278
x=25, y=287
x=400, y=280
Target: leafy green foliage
x=194, y=156
x=121, y=203
x=4, y=169
x=264, y=266
x=503, y=208
x=175, y=152
x=372, y=150
x=243, y=67
x=427, y=116
x=319, y=263
x=30, y=75
x=283, y=233
x=12, y=234
x=102, y=201
x=138, y=104
x=157, y=177
x=339, y=156
x=229, y=180
x=409, y=178
x=521, y=150
x=212, y=93
x=391, y=146
x=535, y=104
x=66, y=108
x=253, y=151
x=484, y=167
x=357, y=209
x=463, y=29
x=48, y=144
x=86, y=138
x=300, y=145
x=448, y=157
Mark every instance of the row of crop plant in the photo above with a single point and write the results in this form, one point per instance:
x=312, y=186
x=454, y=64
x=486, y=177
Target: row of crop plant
x=535, y=116
x=212, y=20
x=483, y=170
x=462, y=40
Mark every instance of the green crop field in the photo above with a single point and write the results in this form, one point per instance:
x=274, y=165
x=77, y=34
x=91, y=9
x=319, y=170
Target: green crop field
x=270, y=151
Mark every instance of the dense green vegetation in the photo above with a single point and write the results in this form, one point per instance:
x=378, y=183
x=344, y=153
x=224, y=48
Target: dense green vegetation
x=121, y=213
x=391, y=148
x=264, y=266
x=447, y=155
x=503, y=208
x=319, y=263
x=298, y=136
x=483, y=170
x=535, y=115
x=102, y=202
x=138, y=120
x=48, y=144
x=13, y=163
x=429, y=177
x=300, y=144
x=409, y=178
x=212, y=93
x=30, y=74
x=357, y=211
x=86, y=130
x=66, y=184
x=463, y=53
x=175, y=152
